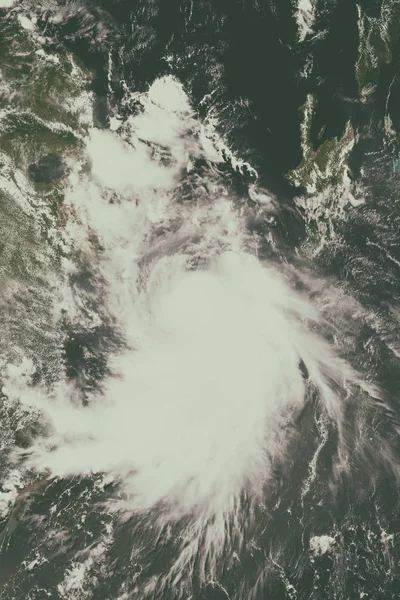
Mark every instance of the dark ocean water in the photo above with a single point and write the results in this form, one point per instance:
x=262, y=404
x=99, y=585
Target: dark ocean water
x=248, y=57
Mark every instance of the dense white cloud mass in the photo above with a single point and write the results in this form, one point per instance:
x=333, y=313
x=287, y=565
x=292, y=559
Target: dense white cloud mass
x=196, y=406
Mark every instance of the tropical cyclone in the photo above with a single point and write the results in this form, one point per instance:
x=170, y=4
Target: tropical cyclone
x=194, y=413
x=177, y=310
